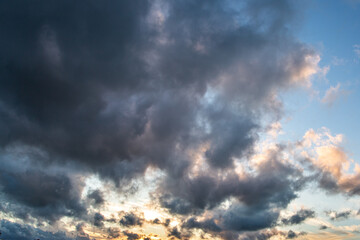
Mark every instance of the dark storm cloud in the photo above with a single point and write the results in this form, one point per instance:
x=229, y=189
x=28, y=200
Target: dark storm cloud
x=45, y=196
x=15, y=231
x=115, y=87
x=298, y=217
x=82, y=81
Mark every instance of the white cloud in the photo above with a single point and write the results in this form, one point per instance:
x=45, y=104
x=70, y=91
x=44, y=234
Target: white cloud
x=337, y=61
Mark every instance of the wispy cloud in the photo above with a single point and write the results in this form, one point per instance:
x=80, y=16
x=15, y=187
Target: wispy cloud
x=357, y=49
x=332, y=94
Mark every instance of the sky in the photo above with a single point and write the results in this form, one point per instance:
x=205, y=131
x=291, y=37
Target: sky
x=139, y=120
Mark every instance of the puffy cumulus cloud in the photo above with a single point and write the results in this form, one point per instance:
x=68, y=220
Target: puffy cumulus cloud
x=119, y=87
x=299, y=217
x=331, y=162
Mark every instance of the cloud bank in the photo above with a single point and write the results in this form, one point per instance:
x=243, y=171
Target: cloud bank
x=119, y=88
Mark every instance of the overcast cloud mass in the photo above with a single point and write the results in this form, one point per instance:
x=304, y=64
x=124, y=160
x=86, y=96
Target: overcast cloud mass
x=171, y=99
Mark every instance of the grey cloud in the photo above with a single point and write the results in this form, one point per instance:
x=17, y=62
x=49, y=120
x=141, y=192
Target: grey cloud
x=131, y=235
x=242, y=219
x=328, y=182
x=131, y=219
x=174, y=232
x=108, y=89
x=176, y=205
x=81, y=234
x=207, y=225
x=97, y=197
x=258, y=235
x=339, y=215
x=67, y=109
x=236, y=219
x=299, y=217
x=166, y=223
x=274, y=184
x=45, y=196
x=323, y=227
x=291, y=234
x=99, y=220
x=113, y=233
x=15, y=231
x=231, y=136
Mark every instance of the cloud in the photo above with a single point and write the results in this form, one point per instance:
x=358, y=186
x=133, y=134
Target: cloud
x=97, y=197
x=174, y=232
x=131, y=219
x=298, y=217
x=339, y=215
x=131, y=235
x=240, y=219
x=278, y=180
x=331, y=163
x=207, y=225
x=112, y=101
x=118, y=88
x=15, y=231
x=323, y=227
x=257, y=235
x=41, y=195
x=98, y=220
x=357, y=49
x=291, y=234
x=338, y=61
x=333, y=94
x=113, y=233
